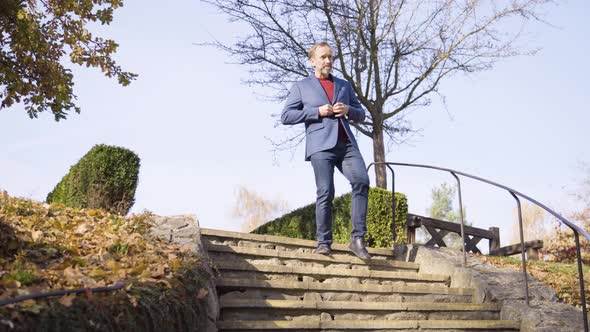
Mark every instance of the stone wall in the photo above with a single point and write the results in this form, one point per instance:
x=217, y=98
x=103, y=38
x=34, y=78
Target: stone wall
x=504, y=286
x=185, y=231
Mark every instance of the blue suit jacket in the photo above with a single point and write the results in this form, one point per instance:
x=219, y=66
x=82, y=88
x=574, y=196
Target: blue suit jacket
x=303, y=103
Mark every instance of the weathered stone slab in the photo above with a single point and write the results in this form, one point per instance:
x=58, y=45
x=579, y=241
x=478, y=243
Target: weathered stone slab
x=370, y=282
x=316, y=297
x=466, y=315
x=355, y=316
x=360, y=267
x=394, y=283
x=382, y=298
x=326, y=316
x=436, y=298
x=329, y=296
x=249, y=244
x=309, y=279
x=345, y=281
x=306, y=318
x=338, y=266
x=405, y=316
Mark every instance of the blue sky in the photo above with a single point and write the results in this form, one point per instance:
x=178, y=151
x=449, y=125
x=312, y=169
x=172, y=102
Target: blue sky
x=200, y=133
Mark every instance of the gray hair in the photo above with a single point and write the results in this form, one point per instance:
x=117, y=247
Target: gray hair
x=311, y=51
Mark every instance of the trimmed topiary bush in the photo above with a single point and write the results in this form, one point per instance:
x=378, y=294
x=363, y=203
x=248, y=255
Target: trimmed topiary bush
x=301, y=222
x=105, y=178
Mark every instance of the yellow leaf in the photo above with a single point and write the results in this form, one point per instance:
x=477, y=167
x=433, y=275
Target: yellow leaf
x=146, y=274
x=67, y=299
x=165, y=282
x=138, y=269
x=98, y=273
x=175, y=264
x=11, y=284
x=74, y=277
x=159, y=272
x=35, y=235
x=82, y=229
x=113, y=265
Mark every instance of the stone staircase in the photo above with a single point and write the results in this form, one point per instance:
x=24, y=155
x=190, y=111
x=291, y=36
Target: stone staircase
x=271, y=283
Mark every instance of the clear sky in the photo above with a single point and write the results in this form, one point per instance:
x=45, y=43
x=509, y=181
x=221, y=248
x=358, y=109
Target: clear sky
x=200, y=133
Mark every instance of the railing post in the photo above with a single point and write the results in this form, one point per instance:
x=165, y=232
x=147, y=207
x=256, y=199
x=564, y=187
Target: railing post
x=581, y=280
x=462, y=221
x=393, y=232
x=522, y=249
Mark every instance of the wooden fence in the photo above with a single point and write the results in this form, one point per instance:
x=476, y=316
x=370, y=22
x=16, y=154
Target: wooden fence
x=438, y=229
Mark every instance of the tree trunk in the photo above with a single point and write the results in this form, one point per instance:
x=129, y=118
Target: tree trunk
x=379, y=156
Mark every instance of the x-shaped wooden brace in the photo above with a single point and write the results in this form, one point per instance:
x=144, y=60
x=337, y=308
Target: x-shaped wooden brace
x=471, y=244
x=436, y=236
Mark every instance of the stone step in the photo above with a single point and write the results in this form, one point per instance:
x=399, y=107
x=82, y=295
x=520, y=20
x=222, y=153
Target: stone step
x=308, y=257
x=347, y=310
x=241, y=283
x=238, y=270
x=274, y=283
x=372, y=325
x=352, y=305
x=271, y=241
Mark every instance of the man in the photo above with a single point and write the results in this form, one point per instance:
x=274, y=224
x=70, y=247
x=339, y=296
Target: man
x=325, y=104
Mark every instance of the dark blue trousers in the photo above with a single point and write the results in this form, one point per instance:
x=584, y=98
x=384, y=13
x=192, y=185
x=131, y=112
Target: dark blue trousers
x=347, y=158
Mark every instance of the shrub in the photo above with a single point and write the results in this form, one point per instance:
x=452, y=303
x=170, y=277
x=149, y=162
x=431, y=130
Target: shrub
x=301, y=222
x=561, y=246
x=106, y=178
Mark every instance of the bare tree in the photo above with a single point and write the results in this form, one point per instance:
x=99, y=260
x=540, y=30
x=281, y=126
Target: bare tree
x=395, y=52
x=255, y=210
x=535, y=223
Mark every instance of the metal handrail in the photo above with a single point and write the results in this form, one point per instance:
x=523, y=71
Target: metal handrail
x=575, y=228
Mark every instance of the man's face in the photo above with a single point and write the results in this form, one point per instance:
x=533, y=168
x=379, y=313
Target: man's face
x=322, y=61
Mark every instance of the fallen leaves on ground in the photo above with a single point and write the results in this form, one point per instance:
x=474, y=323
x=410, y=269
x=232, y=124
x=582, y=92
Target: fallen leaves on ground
x=52, y=247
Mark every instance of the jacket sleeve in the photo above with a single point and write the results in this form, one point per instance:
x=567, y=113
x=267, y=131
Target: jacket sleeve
x=356, y=112
x=294, y=111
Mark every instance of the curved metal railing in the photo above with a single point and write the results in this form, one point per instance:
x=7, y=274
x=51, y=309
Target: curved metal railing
x=575, y=228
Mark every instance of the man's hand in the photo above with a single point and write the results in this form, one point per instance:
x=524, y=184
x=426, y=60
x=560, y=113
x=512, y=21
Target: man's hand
x=326, y=110
x=340, y=110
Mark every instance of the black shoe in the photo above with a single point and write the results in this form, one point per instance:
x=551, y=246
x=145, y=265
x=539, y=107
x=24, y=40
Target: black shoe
x=357, y=245
x=323, y=249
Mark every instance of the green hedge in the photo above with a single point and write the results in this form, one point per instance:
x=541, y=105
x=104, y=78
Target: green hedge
x=106, y=178
x=301, y=222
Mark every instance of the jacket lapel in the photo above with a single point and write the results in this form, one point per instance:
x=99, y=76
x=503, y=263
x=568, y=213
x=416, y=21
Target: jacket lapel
x=337, y=87
x=317, y=86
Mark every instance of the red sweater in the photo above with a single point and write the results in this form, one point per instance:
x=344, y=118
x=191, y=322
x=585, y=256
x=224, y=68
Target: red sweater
x=328, y=85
